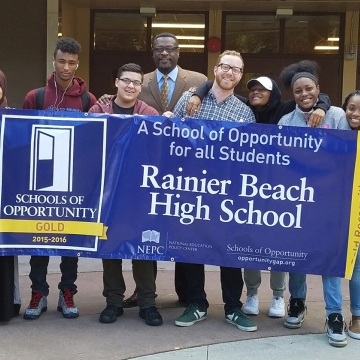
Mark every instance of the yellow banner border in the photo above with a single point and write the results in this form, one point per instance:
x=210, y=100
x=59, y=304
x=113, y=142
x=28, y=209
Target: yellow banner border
x=354, y=227
x=54, y=227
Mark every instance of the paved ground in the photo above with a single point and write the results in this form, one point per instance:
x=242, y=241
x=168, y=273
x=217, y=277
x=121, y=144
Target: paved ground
x=53, y=337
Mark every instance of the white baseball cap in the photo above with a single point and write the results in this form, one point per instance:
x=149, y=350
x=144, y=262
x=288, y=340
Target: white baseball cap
x=263, y=80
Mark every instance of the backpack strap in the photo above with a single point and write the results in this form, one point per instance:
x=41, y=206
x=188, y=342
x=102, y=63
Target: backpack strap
x=39, y=98
x=85, y=99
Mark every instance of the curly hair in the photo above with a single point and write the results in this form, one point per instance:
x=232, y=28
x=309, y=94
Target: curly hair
x=67, y=45
x=304, y=66
x=348, y=97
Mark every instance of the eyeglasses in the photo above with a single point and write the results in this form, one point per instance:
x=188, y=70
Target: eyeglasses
x=128, y=81
x=161, y=49
x=225, y=67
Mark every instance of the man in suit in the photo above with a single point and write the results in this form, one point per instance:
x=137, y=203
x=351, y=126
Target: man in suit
x=166, y=54
x=162, y=89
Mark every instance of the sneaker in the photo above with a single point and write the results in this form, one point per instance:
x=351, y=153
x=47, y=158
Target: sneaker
x=190, y=316
x=66, y=304
x=151, y=316
x=296, y=313
x=277, y=307
x=354, y=329
x=240, y=320
x=110, y=313
x=251, y=305
x=38, y=305
x=336, y=330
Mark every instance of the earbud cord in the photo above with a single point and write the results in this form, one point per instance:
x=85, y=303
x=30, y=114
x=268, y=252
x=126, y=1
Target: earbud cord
x=56, y=92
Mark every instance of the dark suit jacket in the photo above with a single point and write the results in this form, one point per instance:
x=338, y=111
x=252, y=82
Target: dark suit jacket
x=185, y=80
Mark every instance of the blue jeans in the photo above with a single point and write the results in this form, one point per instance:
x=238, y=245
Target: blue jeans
x=297, y=286
x=354, y=287
x=331, y=288
x=38, y=272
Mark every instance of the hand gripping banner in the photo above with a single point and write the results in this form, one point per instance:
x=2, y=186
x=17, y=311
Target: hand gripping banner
x=213, y=192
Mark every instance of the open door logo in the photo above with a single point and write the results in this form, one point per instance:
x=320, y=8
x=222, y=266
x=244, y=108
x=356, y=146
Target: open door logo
x=51, y=159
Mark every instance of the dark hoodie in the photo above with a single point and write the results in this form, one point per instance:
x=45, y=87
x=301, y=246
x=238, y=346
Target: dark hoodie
x=274, y=110
x=3, y=100
x=58, y=100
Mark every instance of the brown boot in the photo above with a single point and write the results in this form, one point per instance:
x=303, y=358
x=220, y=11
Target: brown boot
x=354, y=327
x=131, y=301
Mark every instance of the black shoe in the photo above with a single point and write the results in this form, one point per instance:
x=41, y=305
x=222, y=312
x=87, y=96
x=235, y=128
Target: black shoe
x=16, y=310
x=336, y=330
x=296, y=313
x=151, y=316
x=131, y=301
x=110, y=313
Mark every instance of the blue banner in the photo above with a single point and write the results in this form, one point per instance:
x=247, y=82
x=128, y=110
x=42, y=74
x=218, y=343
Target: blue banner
x=221, y=193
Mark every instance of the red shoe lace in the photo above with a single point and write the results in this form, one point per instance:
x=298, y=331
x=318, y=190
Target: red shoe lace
x=68, y=298
x=35, y=299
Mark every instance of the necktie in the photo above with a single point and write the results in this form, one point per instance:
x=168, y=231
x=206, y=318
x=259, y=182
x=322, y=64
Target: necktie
x=164, y=92
x=306, y=117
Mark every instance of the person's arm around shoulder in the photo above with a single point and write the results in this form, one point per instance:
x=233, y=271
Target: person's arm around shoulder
x=321, y=107
x=105, y=99
x=194, y=103
x=203, y=89
x=323, y=102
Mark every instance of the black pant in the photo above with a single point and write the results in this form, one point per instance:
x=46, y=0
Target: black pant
x=6, y=287
x=231, y=285
x=38, y=272
x=114, y=285
x=181, y=281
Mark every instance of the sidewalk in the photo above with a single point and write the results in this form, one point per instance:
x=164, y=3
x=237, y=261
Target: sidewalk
x=53, y=337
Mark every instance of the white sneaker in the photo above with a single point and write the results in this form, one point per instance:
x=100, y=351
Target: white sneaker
x=251, y=305
x=277, y=307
